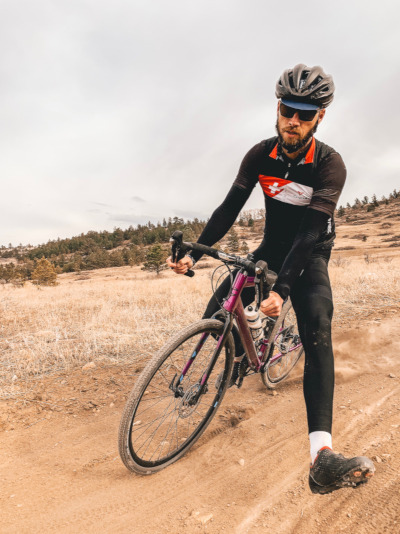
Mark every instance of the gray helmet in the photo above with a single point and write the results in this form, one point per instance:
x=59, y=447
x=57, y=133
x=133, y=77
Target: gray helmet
x=306, y=84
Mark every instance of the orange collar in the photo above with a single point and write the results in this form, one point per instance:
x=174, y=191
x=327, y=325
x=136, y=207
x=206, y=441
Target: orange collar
x=309, y=157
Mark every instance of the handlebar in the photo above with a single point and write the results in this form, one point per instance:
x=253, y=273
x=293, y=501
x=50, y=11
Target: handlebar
x=264, y=278
x=179, y=249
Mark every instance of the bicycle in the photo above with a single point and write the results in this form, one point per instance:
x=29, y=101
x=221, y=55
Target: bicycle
x=182, y=386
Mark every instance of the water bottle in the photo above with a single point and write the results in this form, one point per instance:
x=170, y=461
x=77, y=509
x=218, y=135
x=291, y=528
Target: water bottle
x=254, y=322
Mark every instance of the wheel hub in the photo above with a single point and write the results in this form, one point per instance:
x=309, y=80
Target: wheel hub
x=188, y=403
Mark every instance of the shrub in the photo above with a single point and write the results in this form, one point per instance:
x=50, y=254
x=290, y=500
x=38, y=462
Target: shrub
x=44, y=274
x=155, y=259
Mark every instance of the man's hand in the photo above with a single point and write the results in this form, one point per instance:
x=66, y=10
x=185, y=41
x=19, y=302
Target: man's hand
x=182, y=266
x=272, y=306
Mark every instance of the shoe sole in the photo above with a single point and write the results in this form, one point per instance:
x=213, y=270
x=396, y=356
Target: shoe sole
x=351, y=479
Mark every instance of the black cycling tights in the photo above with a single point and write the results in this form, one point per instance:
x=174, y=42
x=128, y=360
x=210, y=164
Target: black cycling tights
x=312, y=301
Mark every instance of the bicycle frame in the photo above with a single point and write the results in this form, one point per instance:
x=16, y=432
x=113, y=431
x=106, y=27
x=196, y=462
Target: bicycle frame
x=233, y=307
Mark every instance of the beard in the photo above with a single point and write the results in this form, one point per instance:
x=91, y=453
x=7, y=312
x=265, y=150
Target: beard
x=297, y=144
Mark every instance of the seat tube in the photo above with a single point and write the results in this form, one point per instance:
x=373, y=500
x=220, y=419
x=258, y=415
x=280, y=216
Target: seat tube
x=234, y=304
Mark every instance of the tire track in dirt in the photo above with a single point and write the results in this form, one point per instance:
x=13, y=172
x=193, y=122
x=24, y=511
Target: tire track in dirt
x=66, y=474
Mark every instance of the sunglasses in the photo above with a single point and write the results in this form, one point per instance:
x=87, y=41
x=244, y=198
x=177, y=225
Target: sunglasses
x=304, y=114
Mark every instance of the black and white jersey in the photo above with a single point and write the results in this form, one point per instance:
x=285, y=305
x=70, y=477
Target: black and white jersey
x=315, y=180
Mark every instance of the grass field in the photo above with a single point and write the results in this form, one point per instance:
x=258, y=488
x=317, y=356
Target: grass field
x=122, y=315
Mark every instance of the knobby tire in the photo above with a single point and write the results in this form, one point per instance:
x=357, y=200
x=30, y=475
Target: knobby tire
x=157, y=428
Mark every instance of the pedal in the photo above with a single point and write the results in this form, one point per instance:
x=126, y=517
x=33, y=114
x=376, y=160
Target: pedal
x=242, y=372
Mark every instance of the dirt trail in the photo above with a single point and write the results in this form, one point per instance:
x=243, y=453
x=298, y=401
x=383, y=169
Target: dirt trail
x=60, y=470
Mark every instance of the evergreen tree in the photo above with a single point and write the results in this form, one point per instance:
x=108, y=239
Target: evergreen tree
x=340, y=211
x=155, y=259
x=116, y=259
x=7, y=272
x=233, y=241
x=44, y=273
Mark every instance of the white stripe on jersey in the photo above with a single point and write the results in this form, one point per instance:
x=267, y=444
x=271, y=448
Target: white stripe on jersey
x=286, y=191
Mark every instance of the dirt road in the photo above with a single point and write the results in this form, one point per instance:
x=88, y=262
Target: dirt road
x=60, y=470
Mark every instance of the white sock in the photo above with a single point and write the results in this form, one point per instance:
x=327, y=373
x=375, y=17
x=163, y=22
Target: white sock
x=318, y=440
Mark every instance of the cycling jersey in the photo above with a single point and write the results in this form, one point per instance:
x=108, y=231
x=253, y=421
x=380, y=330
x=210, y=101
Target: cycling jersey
x=291, y=189
x=315, y=180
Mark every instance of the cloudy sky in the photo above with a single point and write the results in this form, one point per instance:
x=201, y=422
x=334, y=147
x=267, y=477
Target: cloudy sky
x=116, y=113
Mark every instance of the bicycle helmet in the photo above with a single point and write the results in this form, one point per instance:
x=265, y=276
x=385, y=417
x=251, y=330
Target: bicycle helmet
x=306, y=84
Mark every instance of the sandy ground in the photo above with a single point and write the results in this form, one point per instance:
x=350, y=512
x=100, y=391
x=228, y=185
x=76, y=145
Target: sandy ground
x=60, y=470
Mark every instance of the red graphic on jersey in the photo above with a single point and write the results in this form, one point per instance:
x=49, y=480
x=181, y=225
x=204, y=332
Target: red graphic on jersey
x=310, y=153
x=271, y=185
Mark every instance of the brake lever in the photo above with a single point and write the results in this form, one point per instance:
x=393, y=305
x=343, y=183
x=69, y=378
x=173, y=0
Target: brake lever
x=263, y=274
x=177, y=252
x=258, y=281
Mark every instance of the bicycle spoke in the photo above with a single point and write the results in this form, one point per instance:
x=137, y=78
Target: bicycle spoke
x=155, y=431
x=162, y=442
x=168, y=419
x=148, y=425
x=286, y=350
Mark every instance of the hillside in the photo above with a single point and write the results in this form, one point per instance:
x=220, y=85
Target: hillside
x=96, y=250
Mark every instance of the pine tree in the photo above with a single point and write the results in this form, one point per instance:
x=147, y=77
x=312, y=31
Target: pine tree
x=244, y=248
x=155, y=259
x=233, y=241
x=340, y=211
x=44, y=274
x=116, y=259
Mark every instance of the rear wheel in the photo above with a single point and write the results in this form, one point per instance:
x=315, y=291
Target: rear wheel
x=286, y=348
x=163, y=417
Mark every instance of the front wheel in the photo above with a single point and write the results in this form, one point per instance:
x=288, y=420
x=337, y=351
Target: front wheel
x=286, y=348
x=165, y=414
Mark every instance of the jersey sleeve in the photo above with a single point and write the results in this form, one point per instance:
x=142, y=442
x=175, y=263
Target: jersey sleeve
x=225, y=215
x=247, y=176
x=330, y=181
x=222, y=218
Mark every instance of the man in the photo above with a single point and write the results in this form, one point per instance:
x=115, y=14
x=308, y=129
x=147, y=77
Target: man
x=302, y=179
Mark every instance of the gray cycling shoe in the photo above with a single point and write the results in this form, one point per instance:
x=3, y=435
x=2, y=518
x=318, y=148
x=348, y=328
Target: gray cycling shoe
x=332, y=471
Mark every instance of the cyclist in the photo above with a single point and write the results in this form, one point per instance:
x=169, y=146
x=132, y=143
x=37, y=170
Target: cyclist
x=302, y=179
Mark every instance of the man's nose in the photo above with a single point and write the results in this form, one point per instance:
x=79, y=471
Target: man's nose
x=295, y=119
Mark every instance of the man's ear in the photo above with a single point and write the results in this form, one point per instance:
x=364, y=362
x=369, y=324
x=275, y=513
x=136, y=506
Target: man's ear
x=321, y=115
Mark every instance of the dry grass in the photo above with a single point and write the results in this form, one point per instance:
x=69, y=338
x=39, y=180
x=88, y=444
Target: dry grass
x=123, y=315
x=365, y=289
x=116, y=315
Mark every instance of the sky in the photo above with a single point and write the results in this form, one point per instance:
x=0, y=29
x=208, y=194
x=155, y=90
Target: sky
x=117, y=113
